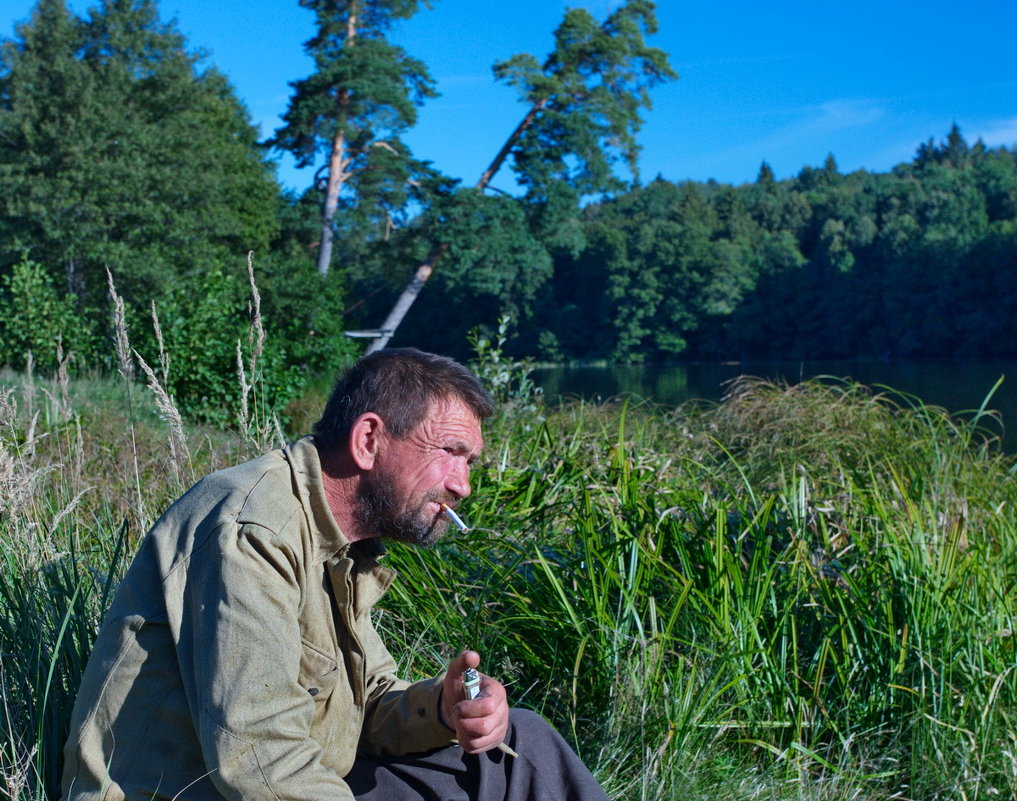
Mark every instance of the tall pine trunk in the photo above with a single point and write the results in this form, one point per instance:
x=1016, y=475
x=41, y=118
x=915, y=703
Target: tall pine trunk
x=336, y=176
x=336, y=162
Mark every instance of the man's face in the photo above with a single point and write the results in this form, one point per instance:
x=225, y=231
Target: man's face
x=401, y=496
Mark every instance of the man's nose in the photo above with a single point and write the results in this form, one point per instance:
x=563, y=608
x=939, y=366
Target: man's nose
x=458, y=480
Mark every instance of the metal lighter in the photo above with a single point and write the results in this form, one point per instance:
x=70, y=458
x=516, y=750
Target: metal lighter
x=471, y=683
x=471, y=689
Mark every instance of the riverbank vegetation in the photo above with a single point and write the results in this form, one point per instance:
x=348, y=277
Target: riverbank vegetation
x=802, y=592
x=918, y=262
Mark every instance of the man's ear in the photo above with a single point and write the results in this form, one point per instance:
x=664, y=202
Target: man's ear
x=365, y=439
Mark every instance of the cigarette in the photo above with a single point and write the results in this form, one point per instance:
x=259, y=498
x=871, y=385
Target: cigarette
x=456, y=519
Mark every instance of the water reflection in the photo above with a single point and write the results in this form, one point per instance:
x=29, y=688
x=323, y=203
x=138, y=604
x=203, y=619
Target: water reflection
x=957, y=386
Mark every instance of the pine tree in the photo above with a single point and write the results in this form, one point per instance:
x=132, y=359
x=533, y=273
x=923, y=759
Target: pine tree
x=765, y=176
x=584, y=105
x=363, y=94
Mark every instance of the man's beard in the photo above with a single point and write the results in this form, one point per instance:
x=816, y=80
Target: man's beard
x=378, y=510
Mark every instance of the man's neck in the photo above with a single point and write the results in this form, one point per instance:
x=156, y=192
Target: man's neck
x=340, y=480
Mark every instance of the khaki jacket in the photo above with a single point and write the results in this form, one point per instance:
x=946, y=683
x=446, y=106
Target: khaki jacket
x=238, y=659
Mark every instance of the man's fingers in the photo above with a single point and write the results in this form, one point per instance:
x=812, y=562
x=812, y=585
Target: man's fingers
x=480, y=727
x=479, y=707
x=480, y=734
x=452, y=689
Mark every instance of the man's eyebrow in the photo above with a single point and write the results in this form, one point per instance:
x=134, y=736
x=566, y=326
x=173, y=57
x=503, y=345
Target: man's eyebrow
x=462, y=446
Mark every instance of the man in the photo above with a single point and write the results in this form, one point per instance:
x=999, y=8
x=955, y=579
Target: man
x=238, y=659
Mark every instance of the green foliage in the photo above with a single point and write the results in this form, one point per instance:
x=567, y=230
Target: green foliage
x=362, y=96
x=363, y=86
x=492, y=265
x=202, y=322
x=589, y=92
x=919, y=262
x=805, y=582
x=584, y=111
x=507, y=379
x=210, y=330
x=117, y=151
x=49, y=615
x=35, y=318
x=916, y=263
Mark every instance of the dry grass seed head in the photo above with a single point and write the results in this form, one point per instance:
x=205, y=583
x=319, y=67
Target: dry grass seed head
x=168, y=411
x=14, y=485
x=124, y=361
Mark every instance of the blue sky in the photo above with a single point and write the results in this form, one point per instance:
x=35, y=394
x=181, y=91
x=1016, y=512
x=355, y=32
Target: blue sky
x=785, y=82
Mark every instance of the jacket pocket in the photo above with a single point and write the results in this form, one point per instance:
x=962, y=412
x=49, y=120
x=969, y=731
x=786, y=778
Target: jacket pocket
x=319, y=671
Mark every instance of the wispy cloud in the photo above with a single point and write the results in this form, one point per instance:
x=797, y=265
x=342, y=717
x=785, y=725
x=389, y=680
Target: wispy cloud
x=997, y=133
x=837, y=115
x=818, y=123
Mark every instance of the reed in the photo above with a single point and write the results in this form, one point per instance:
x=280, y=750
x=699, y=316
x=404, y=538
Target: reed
x=802, y=592
x=809, y=583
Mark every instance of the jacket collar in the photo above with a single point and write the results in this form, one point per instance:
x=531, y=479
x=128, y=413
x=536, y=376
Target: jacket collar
x=305, y=465
x=333, y=547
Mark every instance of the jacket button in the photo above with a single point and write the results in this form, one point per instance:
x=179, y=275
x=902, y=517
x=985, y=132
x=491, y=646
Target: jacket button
x=313, y=691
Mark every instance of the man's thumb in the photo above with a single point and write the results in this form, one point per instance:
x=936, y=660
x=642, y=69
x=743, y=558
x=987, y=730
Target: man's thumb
x=466, y=659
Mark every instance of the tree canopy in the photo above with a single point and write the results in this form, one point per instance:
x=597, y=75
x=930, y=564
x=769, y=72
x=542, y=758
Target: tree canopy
x=917, y=262
x=117, y=150
x=584, y=111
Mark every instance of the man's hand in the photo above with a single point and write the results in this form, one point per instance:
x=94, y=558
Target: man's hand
x=479, y=724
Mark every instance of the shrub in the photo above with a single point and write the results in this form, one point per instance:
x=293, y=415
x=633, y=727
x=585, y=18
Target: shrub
x=36, y=318
x=201, y=334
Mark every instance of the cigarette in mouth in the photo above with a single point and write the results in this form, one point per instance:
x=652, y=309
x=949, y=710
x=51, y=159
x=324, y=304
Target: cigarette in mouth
x=456, y=519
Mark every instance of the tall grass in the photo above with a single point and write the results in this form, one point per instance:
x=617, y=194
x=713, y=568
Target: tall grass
x=810, y=585
x=84, y=469
x=803, y=592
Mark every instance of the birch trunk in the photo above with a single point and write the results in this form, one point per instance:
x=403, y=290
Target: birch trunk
x=423, y=272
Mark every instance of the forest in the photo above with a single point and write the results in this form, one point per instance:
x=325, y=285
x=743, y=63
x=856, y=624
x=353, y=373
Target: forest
x=126, y=163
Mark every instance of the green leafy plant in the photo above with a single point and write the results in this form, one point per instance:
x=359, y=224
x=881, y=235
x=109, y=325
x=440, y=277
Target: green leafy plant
x=36, y=318
x=507, y=379
x=209, y=340
x=800, y=593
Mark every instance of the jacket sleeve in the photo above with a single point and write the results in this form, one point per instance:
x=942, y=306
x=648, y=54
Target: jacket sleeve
x=401, y=718
x=240, y=655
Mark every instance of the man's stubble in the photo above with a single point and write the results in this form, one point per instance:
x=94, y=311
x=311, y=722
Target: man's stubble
x=378, y=509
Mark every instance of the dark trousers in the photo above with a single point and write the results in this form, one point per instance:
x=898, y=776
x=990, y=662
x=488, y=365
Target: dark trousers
x=545, y=770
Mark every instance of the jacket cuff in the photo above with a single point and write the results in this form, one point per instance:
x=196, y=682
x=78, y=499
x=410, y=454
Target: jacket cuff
x=424, y=700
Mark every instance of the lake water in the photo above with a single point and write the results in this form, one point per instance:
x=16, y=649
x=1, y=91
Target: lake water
x=957, y=386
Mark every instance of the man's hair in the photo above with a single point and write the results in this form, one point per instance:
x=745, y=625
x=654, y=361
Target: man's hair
x=399, y=385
